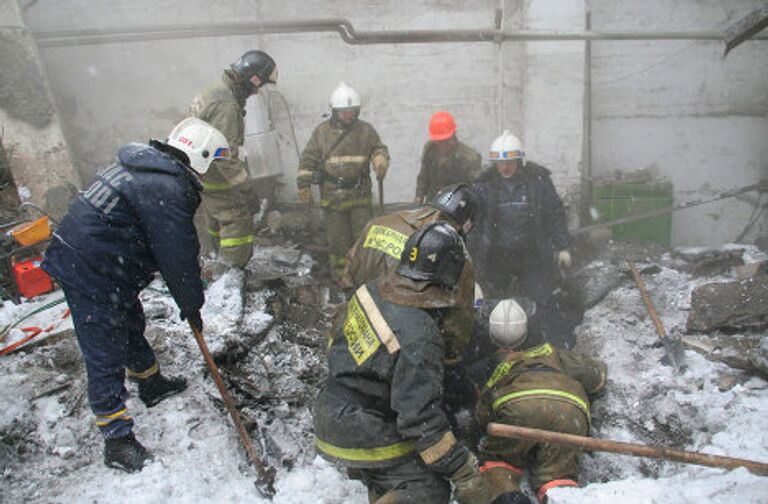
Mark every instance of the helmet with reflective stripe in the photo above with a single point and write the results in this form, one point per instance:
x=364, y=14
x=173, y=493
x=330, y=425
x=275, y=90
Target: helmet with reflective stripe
x=434, y=253
x=457, y=201
x=344, y=97
x=506, y=147
x=201, y=142
x=508, y=322
x=256, y=63
x=441, y=126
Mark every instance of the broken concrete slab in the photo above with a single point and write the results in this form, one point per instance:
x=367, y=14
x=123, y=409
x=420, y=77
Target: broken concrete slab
x=710, y=262
x=737, y=351
x=759, y=357
x=729, y=305
x=592, y=283
x=278, y=262
x=751, y=270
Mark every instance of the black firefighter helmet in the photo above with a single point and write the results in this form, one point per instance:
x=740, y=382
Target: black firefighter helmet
x=256, y=63
x=457, y=201
x=434, y=253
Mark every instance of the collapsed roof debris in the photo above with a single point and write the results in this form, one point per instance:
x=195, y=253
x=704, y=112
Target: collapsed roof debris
x=268, y=335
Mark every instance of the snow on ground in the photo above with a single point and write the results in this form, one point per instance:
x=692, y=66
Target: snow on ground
x=50, y=450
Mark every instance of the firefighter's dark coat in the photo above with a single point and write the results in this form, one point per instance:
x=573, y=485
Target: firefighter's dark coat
x=382, y=404
x=377, y=252
x=462, y=166
x=543, y=388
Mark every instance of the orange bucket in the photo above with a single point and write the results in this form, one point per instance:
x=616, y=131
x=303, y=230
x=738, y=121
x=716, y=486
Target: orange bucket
x=33, y=232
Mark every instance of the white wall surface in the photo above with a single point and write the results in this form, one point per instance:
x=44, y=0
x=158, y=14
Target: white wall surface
x=681, y=110
x=676, y=107
x=115, y=93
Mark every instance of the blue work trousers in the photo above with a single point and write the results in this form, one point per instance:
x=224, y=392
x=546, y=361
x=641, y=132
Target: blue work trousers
x=111, y=339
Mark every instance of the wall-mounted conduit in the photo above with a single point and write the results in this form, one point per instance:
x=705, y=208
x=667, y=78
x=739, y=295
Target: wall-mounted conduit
x=348, y=34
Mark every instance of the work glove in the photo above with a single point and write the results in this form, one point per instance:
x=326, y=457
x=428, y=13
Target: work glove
x=469, y=487
x=380, y=165
x=194, y=318
x=305, y=195
x=563, y=259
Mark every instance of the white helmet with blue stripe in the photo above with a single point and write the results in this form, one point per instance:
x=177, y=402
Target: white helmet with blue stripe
x=201, y=142
x=506, y=148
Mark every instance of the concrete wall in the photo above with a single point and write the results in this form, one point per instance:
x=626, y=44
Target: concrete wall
x=675, y=107
x=110, y=94
x=30, y=129
x=680, y=110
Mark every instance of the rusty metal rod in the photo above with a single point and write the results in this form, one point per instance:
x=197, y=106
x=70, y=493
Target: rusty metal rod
x=634, y=449
x=674, y=350
x=647, y=300
x=265, y=476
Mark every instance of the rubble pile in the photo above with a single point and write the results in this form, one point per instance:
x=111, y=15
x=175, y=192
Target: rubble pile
x=267, y=328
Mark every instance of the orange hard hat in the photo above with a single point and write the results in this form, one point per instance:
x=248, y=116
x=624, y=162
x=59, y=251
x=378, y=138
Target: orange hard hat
x=441, y=126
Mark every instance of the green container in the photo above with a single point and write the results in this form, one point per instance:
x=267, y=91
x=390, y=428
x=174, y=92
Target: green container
x=616, y=200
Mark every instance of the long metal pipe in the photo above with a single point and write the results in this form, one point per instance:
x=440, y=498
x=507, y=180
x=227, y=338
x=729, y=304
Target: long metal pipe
x=347, y=32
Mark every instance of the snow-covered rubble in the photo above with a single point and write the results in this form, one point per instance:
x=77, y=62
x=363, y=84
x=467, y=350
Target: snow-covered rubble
x=269, y=347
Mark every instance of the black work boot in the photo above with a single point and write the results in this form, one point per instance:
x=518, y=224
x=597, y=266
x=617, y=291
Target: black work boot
x=125, y=453
x=157, y=387
x=512, y=498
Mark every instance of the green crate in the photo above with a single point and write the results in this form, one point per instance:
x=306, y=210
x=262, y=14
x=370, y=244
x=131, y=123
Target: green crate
x=616, y=200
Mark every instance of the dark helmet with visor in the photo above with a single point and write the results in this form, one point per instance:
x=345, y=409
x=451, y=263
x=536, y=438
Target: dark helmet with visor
x=256, y=63
x=434, y=253
x=457, y=201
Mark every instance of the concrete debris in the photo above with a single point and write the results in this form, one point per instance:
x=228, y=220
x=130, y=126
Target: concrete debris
x=751, y=270
x=729, y=305
x=710, y=262
x=280, y=262
x=736, y=351
x=726, y=382
x=759, y=358
x=593, y=282
x=762, y=242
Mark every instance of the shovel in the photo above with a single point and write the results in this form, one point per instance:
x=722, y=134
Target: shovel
x=266, y=475
x=675, y=354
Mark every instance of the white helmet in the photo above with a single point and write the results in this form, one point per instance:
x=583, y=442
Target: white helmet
x=344, y=97
x=508, y=324
x=201, y=142
x=507, y=147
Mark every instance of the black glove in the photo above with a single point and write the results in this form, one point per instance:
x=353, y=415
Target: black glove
x=194, y=318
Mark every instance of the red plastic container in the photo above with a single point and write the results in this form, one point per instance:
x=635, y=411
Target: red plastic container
x=31, y=280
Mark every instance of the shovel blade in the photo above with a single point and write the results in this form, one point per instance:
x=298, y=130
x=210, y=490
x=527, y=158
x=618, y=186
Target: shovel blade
x=674, y=353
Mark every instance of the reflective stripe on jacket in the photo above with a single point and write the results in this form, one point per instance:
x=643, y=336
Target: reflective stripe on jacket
x=540, y=373
x=344, y=172
x=383, y=399
x=377, y=252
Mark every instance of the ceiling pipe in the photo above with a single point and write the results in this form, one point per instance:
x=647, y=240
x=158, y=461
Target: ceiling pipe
x=347, y=32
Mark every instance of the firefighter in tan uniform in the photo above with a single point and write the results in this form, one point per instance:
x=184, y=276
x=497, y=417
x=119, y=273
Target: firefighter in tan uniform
x=377, y=252
x=227, y=203
x=445, y=160
x=380, y=412
x=338, y=158
x=542, y=388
